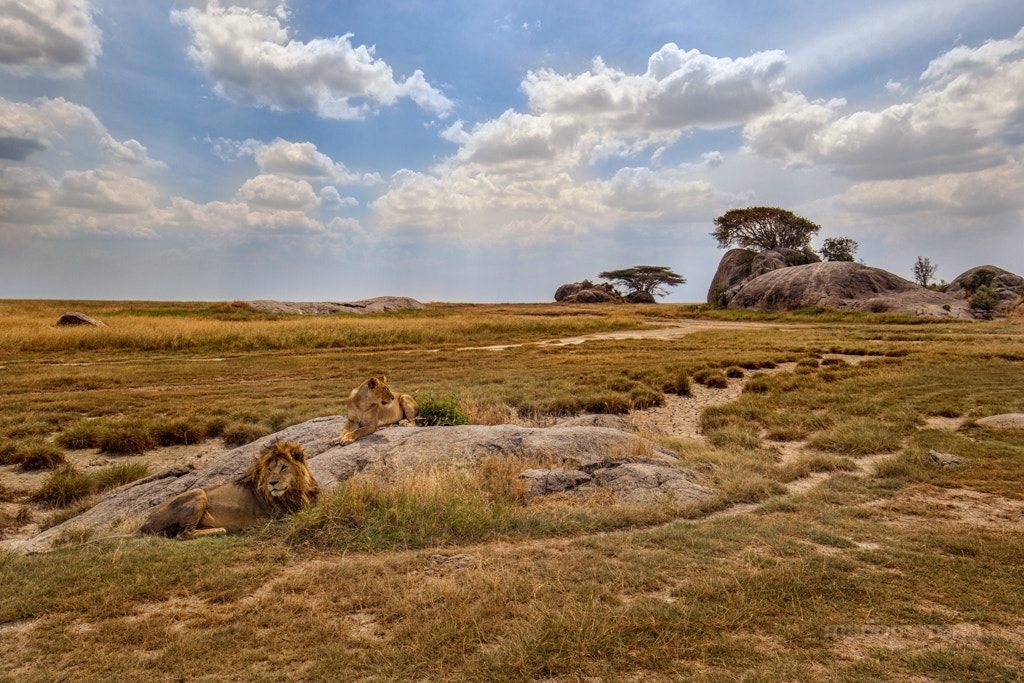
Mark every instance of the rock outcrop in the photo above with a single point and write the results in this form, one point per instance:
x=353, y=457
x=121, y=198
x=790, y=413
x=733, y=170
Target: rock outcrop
x=381, y=304
x=1008, y=287
x=76, y=318
x=586, y=293
x=598, y=453
x=740, y=265
x=845, y=286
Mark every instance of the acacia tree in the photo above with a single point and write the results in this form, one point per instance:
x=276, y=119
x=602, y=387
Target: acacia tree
x=652, y=280
x=764, y=227
x=923, y=270
x=839, y=249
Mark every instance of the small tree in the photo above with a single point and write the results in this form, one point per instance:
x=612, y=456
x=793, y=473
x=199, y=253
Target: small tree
x=651, y=280
x=839, y=249
x=764, y=227
x=923, y=270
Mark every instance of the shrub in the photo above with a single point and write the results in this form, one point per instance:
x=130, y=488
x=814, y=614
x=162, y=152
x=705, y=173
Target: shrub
x=442, y=412
x=984, y=298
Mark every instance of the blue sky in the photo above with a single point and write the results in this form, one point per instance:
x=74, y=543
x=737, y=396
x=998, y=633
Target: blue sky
x=491, y=151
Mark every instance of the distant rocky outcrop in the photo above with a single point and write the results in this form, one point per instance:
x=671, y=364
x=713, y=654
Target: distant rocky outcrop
x=740, y=265
x=587, y=456
x=841, y=285
x=76, y=318
x=381, y=304
x=586, y=292
x=1008, y=287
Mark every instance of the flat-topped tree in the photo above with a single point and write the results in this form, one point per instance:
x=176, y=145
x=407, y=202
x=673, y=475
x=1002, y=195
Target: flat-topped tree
x=764, y=228
x=648, y=280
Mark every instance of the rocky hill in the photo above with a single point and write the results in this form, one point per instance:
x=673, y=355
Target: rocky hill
x=841, y=285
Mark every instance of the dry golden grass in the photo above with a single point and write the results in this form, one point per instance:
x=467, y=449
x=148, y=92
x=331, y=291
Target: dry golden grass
x=454, y=577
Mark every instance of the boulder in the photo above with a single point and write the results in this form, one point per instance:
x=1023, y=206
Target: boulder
x=843, y=285
x=642, y=483
x=1009, y=287
x=640, y=298
x=76, y=318
x=944, y=459
x=740, y=265
x=586, y=293
x=390, y=451
x=380, y=304
x=1004, y=421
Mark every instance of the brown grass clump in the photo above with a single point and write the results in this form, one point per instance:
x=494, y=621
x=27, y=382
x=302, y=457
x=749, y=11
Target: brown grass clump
x=39, y=455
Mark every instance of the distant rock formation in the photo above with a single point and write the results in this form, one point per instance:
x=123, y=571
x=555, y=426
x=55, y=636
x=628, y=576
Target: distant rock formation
x=1008, y=287
x=76, y=318
x=381, y=304
x=841, y=285
x=586, y=293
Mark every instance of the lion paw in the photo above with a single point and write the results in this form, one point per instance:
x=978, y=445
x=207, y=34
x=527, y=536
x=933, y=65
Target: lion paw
x=342, y=440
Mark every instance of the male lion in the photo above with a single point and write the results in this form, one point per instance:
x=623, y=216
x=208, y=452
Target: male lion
x=372, y=404
x=277, y=483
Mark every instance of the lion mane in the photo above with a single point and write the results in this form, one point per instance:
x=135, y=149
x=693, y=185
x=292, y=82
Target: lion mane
x=371, y=405
x=278, y=482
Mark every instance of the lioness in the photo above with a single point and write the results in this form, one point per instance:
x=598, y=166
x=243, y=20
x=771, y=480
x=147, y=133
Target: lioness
x=277, y=483
x=372, y=404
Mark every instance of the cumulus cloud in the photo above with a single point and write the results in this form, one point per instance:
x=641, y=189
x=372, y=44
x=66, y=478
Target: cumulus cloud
x=278, y=192
x=955, y=123
x=253, y=59
x=54, y=38
x=30, y=127
x=532, y=174
x=302, y=159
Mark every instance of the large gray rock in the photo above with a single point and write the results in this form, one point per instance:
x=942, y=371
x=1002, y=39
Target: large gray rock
x=1004, y=421
x=844, y=285
x=394, y=450
x=380, y=304
x=740, y=265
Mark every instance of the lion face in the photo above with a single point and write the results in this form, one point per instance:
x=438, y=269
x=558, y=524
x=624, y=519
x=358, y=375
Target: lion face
x=281, y=472
x=280, y=476
x=381, y=392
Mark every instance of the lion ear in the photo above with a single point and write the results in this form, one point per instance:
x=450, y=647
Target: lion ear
x=372, y=382
x=299, y=455
x=383, y=379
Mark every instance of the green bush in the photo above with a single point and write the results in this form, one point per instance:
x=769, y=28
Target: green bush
x=441, y=412
x=984, y=298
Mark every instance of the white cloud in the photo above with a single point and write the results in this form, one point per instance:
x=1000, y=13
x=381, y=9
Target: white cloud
x=532, y=175
x=302, y=159
x=30, y=127
x=54, y=38
x=953, y=124
x=254, y=60
x=678, y=92
x=105, y=192
x=278, y=192
x=238, y=217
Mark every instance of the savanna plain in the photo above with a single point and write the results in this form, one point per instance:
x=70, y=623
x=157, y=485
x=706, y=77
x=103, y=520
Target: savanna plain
x=832, y=550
